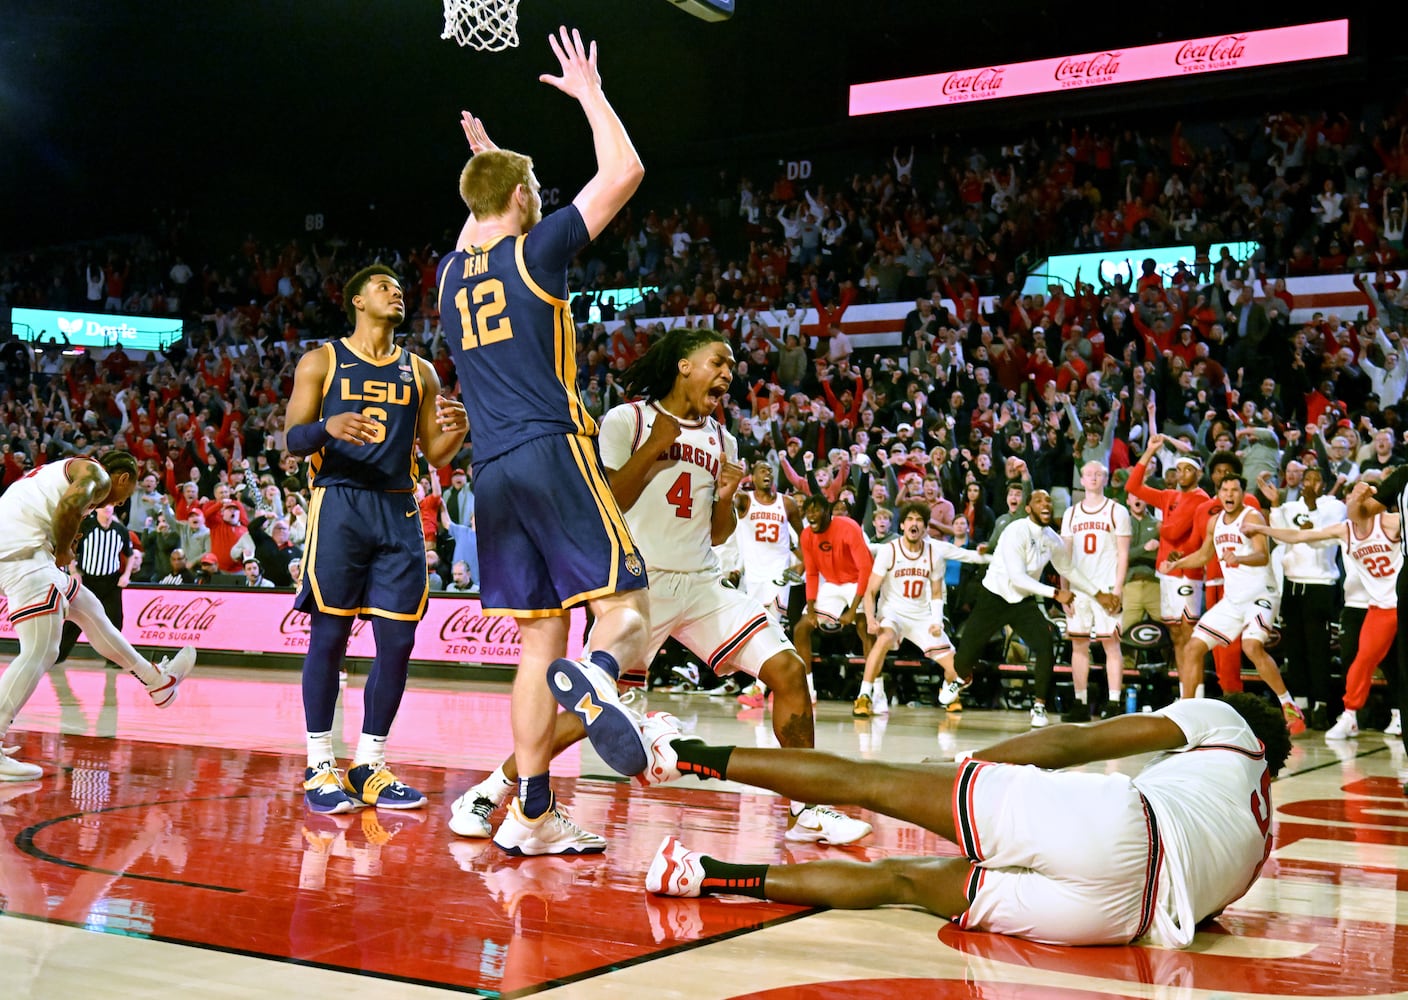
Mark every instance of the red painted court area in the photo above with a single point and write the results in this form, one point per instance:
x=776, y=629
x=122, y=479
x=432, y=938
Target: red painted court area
x=215, y=848
x=162, y=828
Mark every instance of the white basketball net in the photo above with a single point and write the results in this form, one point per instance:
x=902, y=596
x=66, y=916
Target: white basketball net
x=486, y=25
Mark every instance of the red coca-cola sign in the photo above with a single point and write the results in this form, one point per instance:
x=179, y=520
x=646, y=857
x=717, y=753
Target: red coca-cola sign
x=179, y=610
x=468, y=623
x=1098, y=67
x=984, y=82
x=1206, y=52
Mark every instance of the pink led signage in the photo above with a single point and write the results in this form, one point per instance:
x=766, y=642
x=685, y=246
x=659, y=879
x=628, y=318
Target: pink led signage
x=1167, y=60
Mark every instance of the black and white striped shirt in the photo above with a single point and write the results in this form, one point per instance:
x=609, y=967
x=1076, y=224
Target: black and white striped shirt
x=103, y=551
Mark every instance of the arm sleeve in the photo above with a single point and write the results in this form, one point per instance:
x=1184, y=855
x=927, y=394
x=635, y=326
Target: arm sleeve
x=860, y=553
x=809, y=557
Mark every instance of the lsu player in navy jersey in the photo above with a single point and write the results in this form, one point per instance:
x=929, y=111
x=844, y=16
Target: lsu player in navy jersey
x=550, y=533
x=360, y=408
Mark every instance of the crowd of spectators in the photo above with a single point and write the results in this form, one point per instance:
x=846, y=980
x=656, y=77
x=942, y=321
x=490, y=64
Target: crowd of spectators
x=971, y=399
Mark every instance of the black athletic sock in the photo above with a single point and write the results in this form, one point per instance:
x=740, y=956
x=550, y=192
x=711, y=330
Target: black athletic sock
x=701, y=759
x=722, y=878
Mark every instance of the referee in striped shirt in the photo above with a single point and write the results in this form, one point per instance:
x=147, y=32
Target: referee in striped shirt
x=103, y=558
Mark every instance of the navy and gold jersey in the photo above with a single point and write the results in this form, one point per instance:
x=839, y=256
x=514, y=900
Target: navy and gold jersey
x=388, y=392
x=504, y=311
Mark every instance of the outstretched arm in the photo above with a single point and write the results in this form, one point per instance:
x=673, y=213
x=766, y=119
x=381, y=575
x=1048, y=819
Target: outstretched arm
x=1070, y=746
x=619, y=170
x=479, y=141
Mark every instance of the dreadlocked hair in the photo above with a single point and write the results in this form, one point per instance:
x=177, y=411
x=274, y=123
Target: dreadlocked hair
x=652, y=375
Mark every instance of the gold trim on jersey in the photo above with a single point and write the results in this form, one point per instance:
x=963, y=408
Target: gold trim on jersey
x=610, y=515
x=347, y=343
x=519, y=613
x=332, y=369
x=584, y=451
x=310, y=569
x=533, y=286
x=590, y=595
x=566, y=357
x=416, y=362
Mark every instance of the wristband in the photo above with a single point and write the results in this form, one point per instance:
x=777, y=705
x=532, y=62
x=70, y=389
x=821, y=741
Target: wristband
x=307, y=438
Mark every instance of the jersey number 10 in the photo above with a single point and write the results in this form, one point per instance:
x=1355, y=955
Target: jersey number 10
x=483, y=323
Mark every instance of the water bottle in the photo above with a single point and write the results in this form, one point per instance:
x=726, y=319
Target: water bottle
x=1131, y=700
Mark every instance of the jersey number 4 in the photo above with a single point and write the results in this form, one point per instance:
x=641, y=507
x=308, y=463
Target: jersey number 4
x=482, y=323
x=681, y=497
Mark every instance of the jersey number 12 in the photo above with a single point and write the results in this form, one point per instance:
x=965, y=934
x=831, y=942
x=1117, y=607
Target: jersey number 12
x=483, y=324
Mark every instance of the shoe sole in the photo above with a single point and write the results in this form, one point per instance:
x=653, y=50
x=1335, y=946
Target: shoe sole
x=822, y=838
x=519, y=852
x=612, y=731
x=347, y=806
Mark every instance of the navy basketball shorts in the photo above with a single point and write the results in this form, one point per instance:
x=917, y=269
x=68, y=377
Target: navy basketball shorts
x=550, y=533
x=364, y=555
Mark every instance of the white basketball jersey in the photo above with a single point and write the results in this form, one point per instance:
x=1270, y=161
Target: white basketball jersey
x=764, y=538
x=907, y=590
x=1240, y=583
x=671, y=521
x=27, y=511
x=1094, y=538
x=1213, y=805
x=1374, y=562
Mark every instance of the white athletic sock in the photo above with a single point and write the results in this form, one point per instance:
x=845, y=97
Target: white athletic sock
x=811, y=685
x=1198, y=691
x=370, y=750
x=87, y=612
x=496, y=787
x=866, y=687
x=1082, y=696
x=878, y=688
x=320, y=749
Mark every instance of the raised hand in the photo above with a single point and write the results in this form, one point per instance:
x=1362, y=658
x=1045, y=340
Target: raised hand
x=663, y=432
x=730, y=477
x=579, y=76
x=479, y=140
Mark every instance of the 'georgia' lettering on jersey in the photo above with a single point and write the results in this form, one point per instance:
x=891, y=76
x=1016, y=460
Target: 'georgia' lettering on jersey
x=389, y=392
x=503, y=307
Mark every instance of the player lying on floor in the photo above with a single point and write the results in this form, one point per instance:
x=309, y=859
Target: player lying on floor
x=1063, y=857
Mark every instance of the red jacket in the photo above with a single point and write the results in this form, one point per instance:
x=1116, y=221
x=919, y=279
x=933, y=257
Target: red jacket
x=839, y=553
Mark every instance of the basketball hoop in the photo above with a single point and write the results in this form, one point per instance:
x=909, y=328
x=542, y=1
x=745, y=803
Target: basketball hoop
x=486, y=25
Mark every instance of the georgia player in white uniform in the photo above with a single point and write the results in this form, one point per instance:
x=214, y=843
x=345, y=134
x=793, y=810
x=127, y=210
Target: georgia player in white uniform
x=39, y=518
x=1371, y=541
x=1249, y=597
x=767, y=522
x=674, y=472
x=1096, y=531
x=908, y=576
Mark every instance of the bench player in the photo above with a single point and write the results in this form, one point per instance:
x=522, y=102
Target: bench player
x=767, y=521
x=1249, y=600
x=908, y=576
x=1097, y=531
